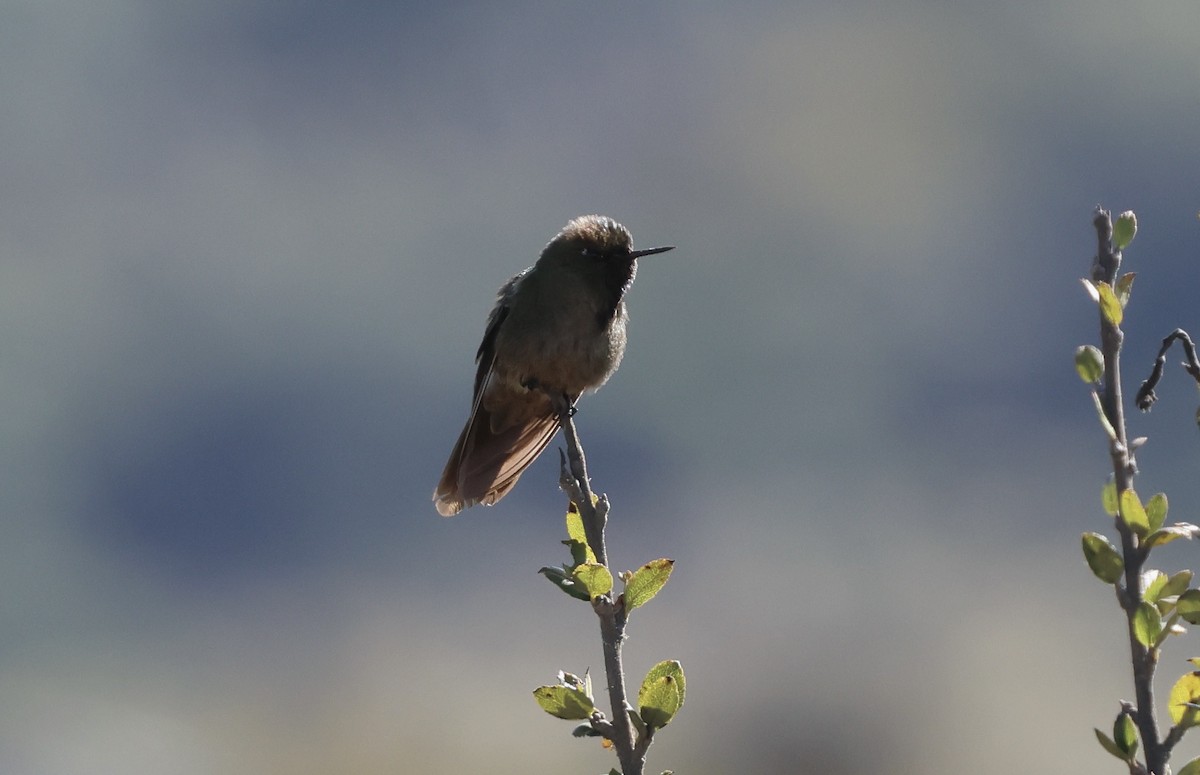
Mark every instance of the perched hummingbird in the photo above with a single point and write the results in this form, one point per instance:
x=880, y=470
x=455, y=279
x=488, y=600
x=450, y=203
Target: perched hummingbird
x=558, y=329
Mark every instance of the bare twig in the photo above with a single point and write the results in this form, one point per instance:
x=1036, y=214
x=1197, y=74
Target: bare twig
x=1174, y=735
x=574, y=481
x=1145, y=396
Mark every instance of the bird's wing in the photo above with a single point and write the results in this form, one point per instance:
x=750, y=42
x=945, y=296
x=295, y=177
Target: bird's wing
x=485, y=356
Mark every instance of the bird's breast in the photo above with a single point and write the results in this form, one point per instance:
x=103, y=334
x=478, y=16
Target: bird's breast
x=562, y=347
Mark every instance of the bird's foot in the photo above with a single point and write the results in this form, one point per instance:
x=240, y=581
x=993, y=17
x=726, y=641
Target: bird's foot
x=561, y=404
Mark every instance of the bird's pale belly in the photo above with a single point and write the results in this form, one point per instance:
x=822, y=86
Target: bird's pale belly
x=559, y=362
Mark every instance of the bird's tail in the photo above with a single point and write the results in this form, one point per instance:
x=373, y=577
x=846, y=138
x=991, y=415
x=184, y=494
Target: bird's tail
x=493, y=450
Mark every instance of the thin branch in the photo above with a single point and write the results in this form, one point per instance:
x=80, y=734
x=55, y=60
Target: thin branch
x=631, y=751
x=1174, y=735
x=1108, y=262
x=574, y=481
x=1145, y=396
x=1144, y=660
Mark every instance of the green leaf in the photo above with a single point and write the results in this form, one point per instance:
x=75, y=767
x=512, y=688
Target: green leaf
x=1109, y=306
x=578, y=535
x=1156, y=510
x=1191, y=768
x=1168, y=534
x=661, y=695
x=1184, y=694
x=595, y=578
x=1125, y=735
x=580, y=553
x=1153, y=583
x=1124, y=229
x=1089, y=363
x=1177, y=584
x=1108, y=497
x=1109, y=745
x=585, y=730
x=1147, y=624
x=1188, y=607
x=564, y=702
x=1133, y=513
x=1124, y=286
x=1102, y=558
x=563, y=581
x=1104, y=423
x=646, y=582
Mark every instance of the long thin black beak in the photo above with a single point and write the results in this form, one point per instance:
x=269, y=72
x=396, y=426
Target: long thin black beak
x=649, y=251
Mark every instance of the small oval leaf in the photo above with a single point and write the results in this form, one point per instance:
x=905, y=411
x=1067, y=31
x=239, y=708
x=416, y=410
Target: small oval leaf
x=564, y=702
x=646, y=582
x=1133, y=513
x=1147, y=624
x=1156, y=510
x=578, y=535
x=1102, y=558
x=1108, y=497
x=1177, y=584
x=1089, y=363
x=1184, y=695
x=1124, y=230
x=1168, y=534
x=1124, y=287
x=1188, y=607
x=1125, y=735
x=595, y=578
x=1153, y=584
x=662, y=694
x=1110, y=307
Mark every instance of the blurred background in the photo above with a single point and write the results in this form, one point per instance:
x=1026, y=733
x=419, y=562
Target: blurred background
x=246, y=253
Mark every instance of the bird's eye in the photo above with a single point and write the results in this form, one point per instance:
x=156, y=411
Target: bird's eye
x=590, y=253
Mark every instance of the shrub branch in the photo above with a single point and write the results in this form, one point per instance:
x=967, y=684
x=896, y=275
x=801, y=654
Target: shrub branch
x=1144, y=658
x=630, y=749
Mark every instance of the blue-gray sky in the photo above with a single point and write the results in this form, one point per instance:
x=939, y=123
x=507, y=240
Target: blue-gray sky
x=246, y=253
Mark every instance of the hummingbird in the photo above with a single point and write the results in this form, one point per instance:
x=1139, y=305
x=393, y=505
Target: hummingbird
x=557, y=330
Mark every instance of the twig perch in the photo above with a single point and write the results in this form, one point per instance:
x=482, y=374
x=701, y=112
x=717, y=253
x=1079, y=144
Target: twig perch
x=631, y=751
x=1144, y=659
